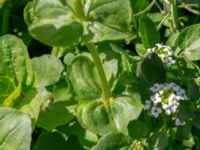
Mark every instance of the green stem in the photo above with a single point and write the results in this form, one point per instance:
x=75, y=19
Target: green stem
x=162, y=21
x=79, y=10
x=99, y=66
x=145, y=10
x=174, y=16
x=5, y=17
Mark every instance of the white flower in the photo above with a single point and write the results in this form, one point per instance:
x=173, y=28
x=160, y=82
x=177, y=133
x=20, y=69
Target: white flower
x=168, y=112
x=147, y=105
x=165, y=106
x=150, y=50
x=179, y=122
x=165, y=98
x=155, y=111
x=155, y=88
x=164, y=52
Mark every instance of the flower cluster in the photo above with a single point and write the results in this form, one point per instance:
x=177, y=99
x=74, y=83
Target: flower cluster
x=137, y=145
x=164, y=52
x=165, y=99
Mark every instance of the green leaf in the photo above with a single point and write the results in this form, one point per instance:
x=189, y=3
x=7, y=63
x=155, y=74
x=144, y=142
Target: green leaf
x=113, y=141
x=193, y=91
x=84, y=79
x=14, y=95
x=100, y=117
x=188, y=41
x=28, y=13
x=52, y=23
x=15, y=63
x=16, y=74
x=149, y=34
x=196, y=120
x=86, y=138
x=50, y=141
x=183, y=132
x=152, y=69
x=61, y=91
x=139, y=5
x=116, y=13
x=108, y=20
x=48, y=69
x=56, y=114
x=7, y=87
x=140, y=49
x=160, y=140
x=15, y=132
x=137, y=129
x=97, y=32
x=29, y=103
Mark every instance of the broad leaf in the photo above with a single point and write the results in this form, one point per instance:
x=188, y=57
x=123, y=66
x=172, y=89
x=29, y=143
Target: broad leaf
x=139, y=5
x=110, y=12
x=15, y=132
x=84, y=79
x=56, y=114
x=193, y=91
x=50, y=141
x=189, y=40
x=52, y=23
x=98, y=32
x=61, y=91
x=137, y=129
x=17, y=78
x=102, y=117
x=152, y=69
x=48, y=69
x=160, y=140
x=15, y=63
x=150, y=36
x=110, y=19
x=113, y=141
x=86, y=138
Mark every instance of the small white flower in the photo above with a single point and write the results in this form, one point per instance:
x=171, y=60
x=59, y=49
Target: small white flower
x=155, y=88
x=150, y=50
x=159, y=45
x=156, y=98
x=179, y=122
x=165, y=98
x=168, y=112
x=176, y=88
x=155, y=111
x=165, y=106
x=164, y=52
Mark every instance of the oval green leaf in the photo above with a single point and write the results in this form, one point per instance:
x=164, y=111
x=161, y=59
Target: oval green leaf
x=113, y=141
x=84, y=79
x=52, y=23
x=189, y=40
x=149, y=34
x=15, y=132
x=100, y=117
x=48, y=69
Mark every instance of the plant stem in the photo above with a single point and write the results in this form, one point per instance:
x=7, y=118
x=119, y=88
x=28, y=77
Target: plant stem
x=80, y=11
x=162, y=21
x=174, y=16
x=5, y=17
x=145, y=10
x=99, y=66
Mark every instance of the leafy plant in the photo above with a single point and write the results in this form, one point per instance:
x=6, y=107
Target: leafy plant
x=121, y=75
